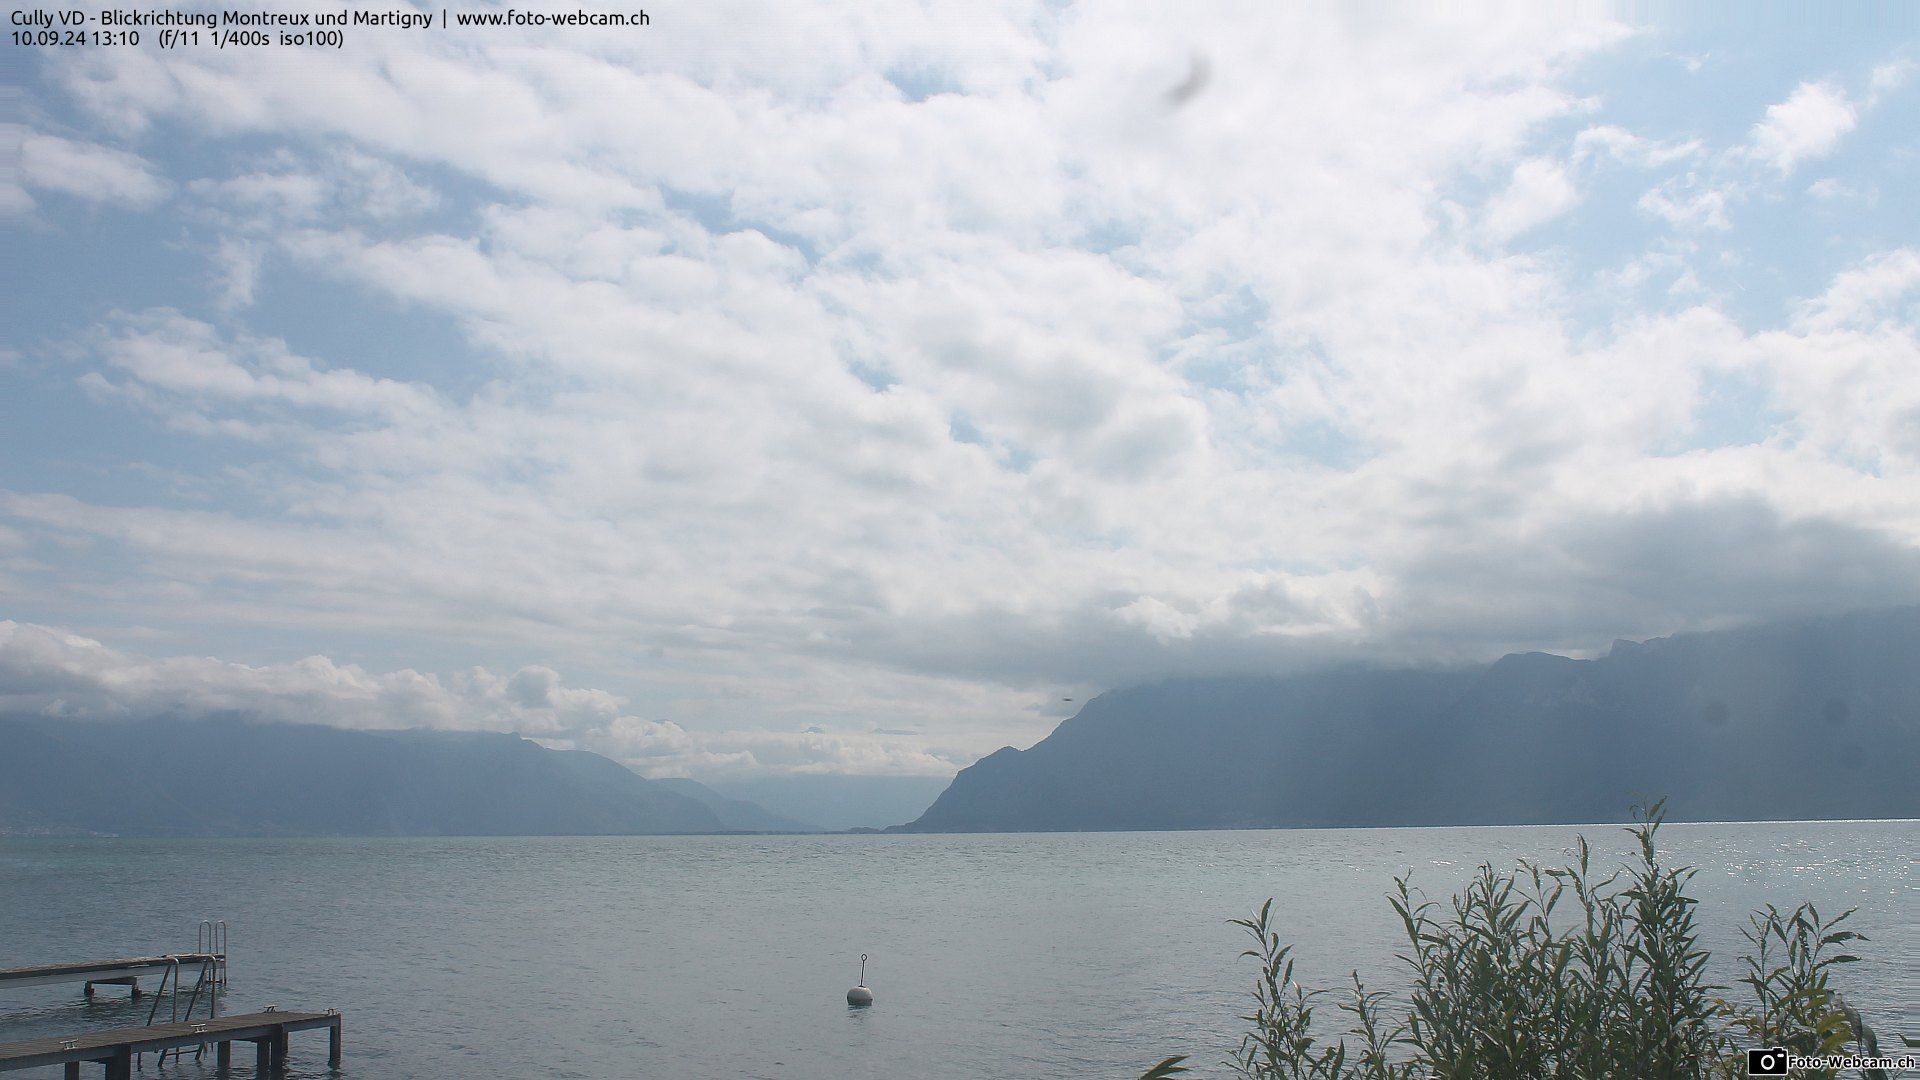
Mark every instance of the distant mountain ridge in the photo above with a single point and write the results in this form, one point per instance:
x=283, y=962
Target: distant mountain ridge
x=1816, y=718
x=734, y=813
x=835, y=801
x=227, y=776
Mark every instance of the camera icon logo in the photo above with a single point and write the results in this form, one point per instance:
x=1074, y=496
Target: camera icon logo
x=1768, y=1061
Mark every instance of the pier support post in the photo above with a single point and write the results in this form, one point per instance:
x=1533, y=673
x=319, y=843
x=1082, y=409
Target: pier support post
x=223, y=1056
x=89, y=990
x=280, y=1048
x=120, y=1065
x=263, y=1056
x=73, y=1070
x=135, y=985
x=333, y=1044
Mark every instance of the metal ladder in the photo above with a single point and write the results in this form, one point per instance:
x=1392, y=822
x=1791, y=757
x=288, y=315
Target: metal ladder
x=210, y=942
x=211, y=938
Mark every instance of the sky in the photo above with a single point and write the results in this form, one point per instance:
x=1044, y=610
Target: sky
x=808, y=388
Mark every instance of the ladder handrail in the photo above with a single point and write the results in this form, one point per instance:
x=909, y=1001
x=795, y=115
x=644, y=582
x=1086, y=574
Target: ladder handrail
x=173, y=1000
x=212, y=999
x=172, y=970
x=211, y=937
x=208, y=980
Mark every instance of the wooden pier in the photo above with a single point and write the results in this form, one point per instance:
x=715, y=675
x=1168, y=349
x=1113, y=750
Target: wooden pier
x=268, y=1032
x=125, y=972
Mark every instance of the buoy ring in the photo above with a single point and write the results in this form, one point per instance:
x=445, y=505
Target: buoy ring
x=860, y=995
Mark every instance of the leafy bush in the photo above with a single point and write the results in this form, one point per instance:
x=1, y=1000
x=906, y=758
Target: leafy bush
x=1554, y=972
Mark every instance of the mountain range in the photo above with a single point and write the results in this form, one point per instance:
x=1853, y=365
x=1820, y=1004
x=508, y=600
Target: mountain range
x=1816, y=718
x=229, y=776
x=837, y=801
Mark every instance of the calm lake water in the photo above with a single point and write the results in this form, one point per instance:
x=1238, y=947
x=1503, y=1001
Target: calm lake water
x=1060, y=955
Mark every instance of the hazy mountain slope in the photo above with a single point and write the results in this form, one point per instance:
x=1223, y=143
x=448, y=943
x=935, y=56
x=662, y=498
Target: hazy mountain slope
x=734, y=813
x=1815, y=719
x=835, y=801
x=53, y=784
x=1199, y=753
x=234, y=777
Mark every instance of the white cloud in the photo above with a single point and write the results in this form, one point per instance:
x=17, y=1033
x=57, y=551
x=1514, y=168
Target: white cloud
x=338, y=183
x=1540, y=191
x=89, y=171
x=163, y=352
x=903, y=370
x=664, y=748
x=1829, y=189
x=1687, y=203
x=1865, y=294
x=15, y=201
x=1618, y=144
x=49, y=672
x=1807, y=125
x=237, y=269
x=1889, y=77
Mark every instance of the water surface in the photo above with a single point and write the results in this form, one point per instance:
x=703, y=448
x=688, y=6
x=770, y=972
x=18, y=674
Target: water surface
x=1054, y=955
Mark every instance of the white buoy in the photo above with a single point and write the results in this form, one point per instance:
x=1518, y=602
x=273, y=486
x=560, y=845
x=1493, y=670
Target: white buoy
x=860, y=995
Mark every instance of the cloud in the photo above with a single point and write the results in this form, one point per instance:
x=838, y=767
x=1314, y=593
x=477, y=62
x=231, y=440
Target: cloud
x=1865, y=294
x=337, y=183
x=1689, y=203
x=89, y=171
x=1617, y=144
x=911, y=372
x=49, y=672
x=178, y=363
x=1809, y=124
x=1540, y=191
x=1655, y=571
x=14, y=200
x=663, y=748
x=1889, y=77
x=1830, y=189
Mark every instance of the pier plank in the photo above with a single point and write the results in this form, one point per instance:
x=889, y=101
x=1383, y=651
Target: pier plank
x=100, y=971
x=266, y=1028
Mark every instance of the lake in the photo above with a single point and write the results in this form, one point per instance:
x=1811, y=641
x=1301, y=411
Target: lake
x=1051, y=955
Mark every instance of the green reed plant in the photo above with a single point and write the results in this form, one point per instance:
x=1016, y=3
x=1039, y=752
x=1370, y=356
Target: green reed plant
x=1555, y=972
x=1794, y=1005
